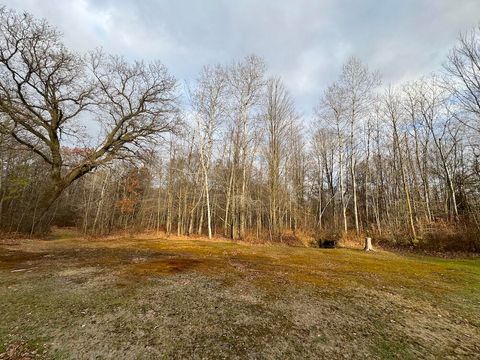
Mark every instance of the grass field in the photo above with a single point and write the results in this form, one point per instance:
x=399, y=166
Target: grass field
x=150, y=298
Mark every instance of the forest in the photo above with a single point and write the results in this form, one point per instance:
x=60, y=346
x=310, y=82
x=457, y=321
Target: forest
x=105, y=144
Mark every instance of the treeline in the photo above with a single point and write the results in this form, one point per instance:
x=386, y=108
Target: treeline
x=230, y=155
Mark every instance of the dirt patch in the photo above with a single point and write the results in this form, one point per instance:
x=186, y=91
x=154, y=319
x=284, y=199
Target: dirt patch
x=18, y=260
x=165, y=266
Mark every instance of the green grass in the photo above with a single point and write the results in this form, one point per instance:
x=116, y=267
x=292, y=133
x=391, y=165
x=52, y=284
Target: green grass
x=172, y=298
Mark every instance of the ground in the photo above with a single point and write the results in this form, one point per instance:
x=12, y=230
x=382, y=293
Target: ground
x=152, y=297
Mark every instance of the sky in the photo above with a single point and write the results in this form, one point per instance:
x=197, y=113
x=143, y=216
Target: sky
x=303, y=41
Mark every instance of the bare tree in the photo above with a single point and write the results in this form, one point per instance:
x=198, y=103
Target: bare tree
x=210, y=108
x=332, y=110
x=463, y=70
x=357, y=83
x=393, y=110
x=246, y=84
x=438, y=119
x=279, y=114
x=46, y=92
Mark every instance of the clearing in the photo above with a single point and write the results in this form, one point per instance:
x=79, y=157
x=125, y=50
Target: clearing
x=150, y=298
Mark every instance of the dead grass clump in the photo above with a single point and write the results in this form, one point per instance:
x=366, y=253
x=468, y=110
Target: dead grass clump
x=448, y=237
x=291, y=239
x=439, y=237
x=392, y=238
x=305, y=237
x=350, y=239
x=287, y=237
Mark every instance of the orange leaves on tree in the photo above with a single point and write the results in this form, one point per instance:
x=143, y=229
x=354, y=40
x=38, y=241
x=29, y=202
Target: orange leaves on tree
x=133, y=189
x=126, y=205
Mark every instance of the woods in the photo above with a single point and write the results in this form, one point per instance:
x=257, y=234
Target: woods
x=98, y=142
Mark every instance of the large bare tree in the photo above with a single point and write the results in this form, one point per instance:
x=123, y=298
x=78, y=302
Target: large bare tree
x=48, y=92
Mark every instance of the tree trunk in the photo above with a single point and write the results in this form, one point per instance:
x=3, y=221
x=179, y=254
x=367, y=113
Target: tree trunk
x=41, y=224
x=368, y=244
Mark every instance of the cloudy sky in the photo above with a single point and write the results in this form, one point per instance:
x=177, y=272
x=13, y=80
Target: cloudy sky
x=304, y=41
